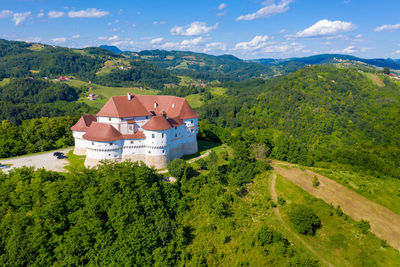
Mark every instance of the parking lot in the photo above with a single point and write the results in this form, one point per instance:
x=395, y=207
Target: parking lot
x=43, y=160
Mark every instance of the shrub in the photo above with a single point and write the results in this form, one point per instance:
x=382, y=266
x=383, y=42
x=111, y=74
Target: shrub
x=304, y=220
x=364, y=226
x=338, y=211
x=268, y=236
x=281, y=201
x=315, y=182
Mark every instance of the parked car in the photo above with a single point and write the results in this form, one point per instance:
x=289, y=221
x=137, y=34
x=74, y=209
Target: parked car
x=58, y=153
x=62, y=156
x=4, y=166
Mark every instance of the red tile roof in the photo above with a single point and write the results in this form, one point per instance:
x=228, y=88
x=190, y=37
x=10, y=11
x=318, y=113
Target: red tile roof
x=122, y=107
x=157, y=123
x=102, y=132
x=137, y=135
x=84, y=123
x=143, y=105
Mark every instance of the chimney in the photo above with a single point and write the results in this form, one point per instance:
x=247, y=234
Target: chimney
x=155, y=104
x=130, y=96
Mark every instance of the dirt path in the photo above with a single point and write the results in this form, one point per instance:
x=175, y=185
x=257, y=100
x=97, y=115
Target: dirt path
x=384, y=222
x=278, y=214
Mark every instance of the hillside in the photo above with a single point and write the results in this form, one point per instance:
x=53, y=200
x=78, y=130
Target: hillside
x=20, y=59
x=315, y=116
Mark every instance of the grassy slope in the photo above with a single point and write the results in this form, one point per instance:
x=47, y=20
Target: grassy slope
x=384, y=191
x=339, y=240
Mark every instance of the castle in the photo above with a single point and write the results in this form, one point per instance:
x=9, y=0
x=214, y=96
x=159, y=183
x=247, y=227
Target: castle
x=153, y=129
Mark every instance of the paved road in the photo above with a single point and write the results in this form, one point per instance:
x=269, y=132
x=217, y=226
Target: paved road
x=43, y=160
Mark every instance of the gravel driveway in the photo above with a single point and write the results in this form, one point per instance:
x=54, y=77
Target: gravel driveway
x=43, y=160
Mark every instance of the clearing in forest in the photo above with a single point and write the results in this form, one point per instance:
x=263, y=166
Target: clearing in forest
x=384, y=222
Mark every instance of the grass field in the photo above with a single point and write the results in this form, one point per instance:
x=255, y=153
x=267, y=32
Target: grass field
x=105, y=92
x=195, y=100
x=374, y=78
x=384, y=191
x=340, y=240
x=218, y=91
x=76, y=163
x=109, y=65
x=5, y=81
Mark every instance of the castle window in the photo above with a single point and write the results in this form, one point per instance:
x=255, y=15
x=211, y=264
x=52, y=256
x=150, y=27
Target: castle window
x=162, y=135
x=176, y=135
x=175, y=128
x=109, y=119
x=110, y=144
x=191, y=130
x=152, y=135
x=131, y=142
x=149, y=152
x=147, y=117
x=163, y=151
x=92, y=143
x=191, y=121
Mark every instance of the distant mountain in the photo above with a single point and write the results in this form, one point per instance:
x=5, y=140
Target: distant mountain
x=111, y=48
x=329, y=59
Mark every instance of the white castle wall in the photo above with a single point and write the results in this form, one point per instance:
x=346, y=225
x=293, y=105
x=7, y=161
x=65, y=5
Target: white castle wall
x=157, y=149
x=80, y=146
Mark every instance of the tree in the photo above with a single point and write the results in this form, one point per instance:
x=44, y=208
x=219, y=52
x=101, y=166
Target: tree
x=304, y=220
x=386, y=70
x=176, y=168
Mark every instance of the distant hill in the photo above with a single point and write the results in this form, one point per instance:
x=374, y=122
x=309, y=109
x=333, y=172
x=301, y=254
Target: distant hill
x=21, y=59
x=111, y=48
x=204, y=66
x=329, y=59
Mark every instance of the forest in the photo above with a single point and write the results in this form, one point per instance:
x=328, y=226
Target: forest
x=315, y=116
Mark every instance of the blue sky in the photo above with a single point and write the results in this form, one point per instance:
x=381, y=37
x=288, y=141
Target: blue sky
x=247, y=28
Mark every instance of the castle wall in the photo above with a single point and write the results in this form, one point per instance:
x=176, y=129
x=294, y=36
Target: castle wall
x=158, y=162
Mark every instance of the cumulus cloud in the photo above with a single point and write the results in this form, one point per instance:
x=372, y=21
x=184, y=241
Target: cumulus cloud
x=214, y=46
x=258, y=42
x=282, y=48
x=192, y=42
x=59, y=40
x=157, y=40
x=268, y=10
x=324, y=28
x=55, y=14
x=88, y=13
x=387, y=27
x=5, y=14
x=18, y=18
x=196, y=28
x=222, y=6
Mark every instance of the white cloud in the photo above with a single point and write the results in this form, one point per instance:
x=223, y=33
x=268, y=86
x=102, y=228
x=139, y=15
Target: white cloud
x=258, y=42
x=282, y=48
x=55, y=14
x=124, y=43
x=214, y=46
x=113, y=38
x=76, y=36
x=196, y=28
x=40, y=14
x=348, y=50
x=324, y=28
x=18, y=18
x=220, y=14
x=387, y=27
x=192, y=42
x=397, y=51
x=102, y=38
x=268, y=10
x=157, y=40
x=59, y=40
x=222, y=6
x=5, y=14
x=88, y=13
